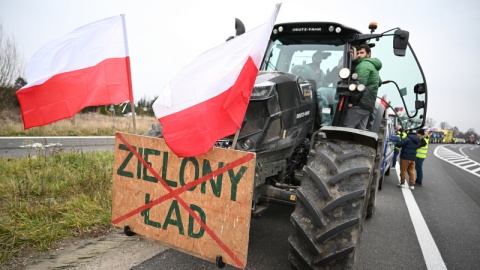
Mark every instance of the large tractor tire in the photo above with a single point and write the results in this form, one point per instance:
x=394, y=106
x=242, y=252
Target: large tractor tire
x=372, y=199
x=331, y=205
x=376, y=185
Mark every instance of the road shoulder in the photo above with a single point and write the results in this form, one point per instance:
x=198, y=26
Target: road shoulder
x=114, y=250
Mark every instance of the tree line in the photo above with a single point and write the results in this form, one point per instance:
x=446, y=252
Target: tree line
x=470, y=135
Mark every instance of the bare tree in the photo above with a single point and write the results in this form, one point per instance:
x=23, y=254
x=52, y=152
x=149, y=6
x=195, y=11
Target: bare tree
x=445, y=125
x=471, y=131
x=471, y=136
x=430, y=123
x=11, y=64
x=456, y=132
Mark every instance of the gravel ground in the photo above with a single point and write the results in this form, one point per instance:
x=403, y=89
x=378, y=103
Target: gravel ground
x=114, y=250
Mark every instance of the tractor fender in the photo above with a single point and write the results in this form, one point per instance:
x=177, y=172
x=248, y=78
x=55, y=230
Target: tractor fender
x=363, y=137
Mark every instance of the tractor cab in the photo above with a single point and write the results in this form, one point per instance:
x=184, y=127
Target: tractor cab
x=320, y=53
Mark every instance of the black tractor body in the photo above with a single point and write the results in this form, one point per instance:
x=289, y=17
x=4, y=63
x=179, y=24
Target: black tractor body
x=305, y=158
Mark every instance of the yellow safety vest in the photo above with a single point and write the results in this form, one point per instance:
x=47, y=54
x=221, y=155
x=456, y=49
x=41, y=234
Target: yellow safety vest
x=422, y=151
x=402, y=136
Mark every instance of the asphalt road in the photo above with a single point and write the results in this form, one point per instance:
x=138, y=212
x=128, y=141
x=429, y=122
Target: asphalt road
x=432, y=227
x=15, y=147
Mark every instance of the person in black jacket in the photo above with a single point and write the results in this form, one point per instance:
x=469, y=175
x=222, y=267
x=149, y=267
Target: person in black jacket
x=408, y=154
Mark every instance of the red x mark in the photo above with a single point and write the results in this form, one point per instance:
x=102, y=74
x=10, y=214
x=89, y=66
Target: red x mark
x=175, y=194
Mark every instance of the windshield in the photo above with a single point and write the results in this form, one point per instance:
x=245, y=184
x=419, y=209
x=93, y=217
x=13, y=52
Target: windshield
x=319, y=57
x=406, y=73
x=319, y=62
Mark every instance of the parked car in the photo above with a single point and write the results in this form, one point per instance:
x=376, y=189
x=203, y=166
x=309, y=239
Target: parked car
x=388, y=149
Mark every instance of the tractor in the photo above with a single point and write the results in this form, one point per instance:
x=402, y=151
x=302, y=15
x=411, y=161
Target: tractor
x=305, y=158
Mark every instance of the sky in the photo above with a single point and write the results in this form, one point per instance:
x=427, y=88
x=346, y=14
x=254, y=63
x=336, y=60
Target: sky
x=164, y=36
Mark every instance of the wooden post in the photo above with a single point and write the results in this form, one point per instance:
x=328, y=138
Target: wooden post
x=134, y=119
x=235, y=138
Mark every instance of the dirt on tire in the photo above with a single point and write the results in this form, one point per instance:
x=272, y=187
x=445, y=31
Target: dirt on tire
x=331, y=205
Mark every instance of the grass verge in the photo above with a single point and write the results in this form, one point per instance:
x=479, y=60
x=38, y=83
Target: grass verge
x=82, y=124
x=47, y=198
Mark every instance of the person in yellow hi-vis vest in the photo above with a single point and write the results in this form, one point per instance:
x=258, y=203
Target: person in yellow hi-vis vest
x=421, y=156
x=402, y=135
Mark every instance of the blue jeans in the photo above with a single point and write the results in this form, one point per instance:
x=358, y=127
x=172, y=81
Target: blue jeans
x=394, y=159
x=419, y=169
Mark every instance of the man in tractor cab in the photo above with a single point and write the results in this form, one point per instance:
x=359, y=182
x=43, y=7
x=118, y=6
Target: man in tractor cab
x=362, y=105
x=315, y=66
x=331, y=78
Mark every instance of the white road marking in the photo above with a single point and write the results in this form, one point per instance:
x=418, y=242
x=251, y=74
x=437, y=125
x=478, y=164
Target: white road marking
x=457, y=160
x=431, y=254
x=39, y=145
x=60, y=137
x=473, y=165
x=464, y=162
x=452, y=158
x=461, y=151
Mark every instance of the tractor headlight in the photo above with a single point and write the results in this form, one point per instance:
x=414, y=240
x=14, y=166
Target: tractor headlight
x=361, y=87
x=344, y=73
x=354, y=76
x=262, y=90
x=247, y=143
x=352, y=87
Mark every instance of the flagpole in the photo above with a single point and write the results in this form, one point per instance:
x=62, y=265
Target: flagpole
x=133, y=118
x=129, y=75
x=235, y=138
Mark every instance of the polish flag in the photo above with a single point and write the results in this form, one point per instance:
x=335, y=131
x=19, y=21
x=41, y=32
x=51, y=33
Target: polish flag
x=208, y=98
x=87, y=67
x=384, y=101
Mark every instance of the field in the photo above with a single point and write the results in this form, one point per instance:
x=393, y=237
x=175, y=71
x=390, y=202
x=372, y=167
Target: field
x=49, y=198
x=86, y=124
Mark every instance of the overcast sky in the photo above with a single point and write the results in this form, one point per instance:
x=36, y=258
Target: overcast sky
x=163, y=36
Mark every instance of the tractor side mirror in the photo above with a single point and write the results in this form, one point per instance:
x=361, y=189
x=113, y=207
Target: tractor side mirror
x=419, y=104
x=400, y=42
x=419, y=88
x=239, y=29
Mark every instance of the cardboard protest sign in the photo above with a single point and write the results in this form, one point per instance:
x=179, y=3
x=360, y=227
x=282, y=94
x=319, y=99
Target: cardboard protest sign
x=200, y=205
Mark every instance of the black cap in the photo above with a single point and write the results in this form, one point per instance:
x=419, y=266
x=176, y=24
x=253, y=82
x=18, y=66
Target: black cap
x=421, y=131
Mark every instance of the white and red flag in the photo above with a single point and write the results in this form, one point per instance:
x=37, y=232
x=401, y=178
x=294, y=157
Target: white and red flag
x=208, y=98
x=383, y=101
x=87, y=67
